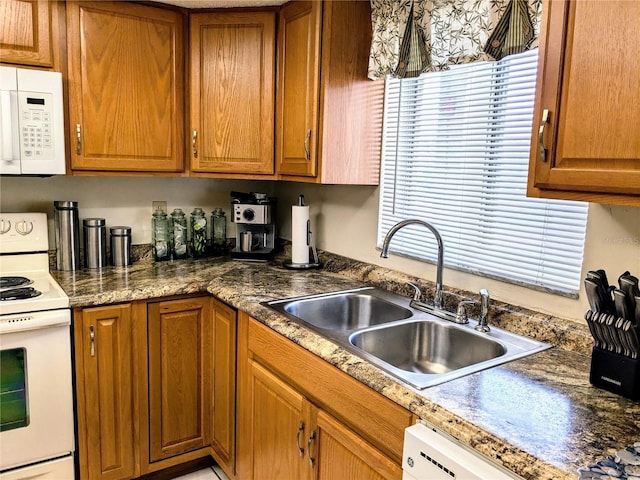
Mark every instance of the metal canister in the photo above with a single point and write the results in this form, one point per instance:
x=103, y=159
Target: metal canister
x=120, y=246
x=67, y=233
x=95, y=242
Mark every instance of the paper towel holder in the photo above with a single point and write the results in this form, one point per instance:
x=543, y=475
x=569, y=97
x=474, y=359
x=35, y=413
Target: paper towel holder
x=312, y=245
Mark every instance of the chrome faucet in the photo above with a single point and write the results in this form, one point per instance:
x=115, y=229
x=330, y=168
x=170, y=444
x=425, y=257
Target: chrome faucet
x=484, y=312
x=437, y=299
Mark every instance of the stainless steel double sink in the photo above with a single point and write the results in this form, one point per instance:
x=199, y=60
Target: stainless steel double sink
x=419, y=348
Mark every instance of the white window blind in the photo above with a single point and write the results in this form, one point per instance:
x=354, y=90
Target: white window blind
x=456, y=154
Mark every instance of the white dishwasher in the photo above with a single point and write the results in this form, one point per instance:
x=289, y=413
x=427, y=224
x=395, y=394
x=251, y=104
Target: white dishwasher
x=430, y=455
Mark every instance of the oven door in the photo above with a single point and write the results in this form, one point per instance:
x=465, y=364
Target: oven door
x=36, y=403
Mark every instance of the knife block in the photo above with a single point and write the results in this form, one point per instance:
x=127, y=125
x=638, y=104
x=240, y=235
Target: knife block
x=615, y=373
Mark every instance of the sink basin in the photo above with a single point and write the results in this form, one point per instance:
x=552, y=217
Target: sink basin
x=427, y=346
x=419, y=348
x=349, y=310
x=429, y=351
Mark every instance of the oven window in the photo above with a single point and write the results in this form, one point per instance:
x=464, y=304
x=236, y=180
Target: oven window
x=13, y=389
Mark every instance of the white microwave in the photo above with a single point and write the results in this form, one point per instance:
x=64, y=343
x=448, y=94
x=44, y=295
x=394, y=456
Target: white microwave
x=31, y=122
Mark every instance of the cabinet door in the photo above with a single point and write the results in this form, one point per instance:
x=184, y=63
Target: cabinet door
x=126, y=87
x=278, y=417
x=104, y=389
x=25, y=37
x=337, y=452
x=232, y=92
x=298, y=84
x=223, y=435
x=180, y=365
x=588, y=83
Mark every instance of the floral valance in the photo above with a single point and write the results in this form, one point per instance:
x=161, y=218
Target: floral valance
x=411, y=37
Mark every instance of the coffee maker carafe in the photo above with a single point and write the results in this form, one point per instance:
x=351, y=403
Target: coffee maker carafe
x=254, y=216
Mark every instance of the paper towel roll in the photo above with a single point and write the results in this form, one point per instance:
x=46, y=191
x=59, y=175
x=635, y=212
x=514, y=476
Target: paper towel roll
x=299, y=230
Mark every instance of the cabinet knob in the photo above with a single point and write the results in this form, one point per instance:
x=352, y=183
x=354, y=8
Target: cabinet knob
x=543, y=123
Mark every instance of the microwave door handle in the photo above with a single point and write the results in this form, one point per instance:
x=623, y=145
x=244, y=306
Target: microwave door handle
x=10, y=131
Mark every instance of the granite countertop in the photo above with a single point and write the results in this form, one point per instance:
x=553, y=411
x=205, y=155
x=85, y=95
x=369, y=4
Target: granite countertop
x=538, y=416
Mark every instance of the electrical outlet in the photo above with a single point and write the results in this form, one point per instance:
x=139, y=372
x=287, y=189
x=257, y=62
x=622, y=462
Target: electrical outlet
x=158, y=205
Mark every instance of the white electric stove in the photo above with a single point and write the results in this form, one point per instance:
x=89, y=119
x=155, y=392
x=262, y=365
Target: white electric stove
x=36, y=399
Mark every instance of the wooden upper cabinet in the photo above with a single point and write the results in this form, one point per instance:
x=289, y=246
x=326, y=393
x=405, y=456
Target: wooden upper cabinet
x=589, y=88
x=25, y=37
x=298, y=88
x=328, y=113
x=126, y=87
x=232, y=92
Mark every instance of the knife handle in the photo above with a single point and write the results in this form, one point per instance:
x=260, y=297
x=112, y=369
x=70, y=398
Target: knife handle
x=621, y=304
x=633, y=340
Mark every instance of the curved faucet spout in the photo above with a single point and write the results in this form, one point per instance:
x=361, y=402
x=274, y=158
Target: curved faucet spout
x=437, y=301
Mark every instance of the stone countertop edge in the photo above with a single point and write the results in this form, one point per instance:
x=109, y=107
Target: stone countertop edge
x=538, y=416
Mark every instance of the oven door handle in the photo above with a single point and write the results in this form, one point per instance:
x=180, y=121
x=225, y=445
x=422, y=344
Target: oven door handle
x=17, y=323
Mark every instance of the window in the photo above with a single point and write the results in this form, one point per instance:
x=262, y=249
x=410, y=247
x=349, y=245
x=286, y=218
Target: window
x=456, y=154
x=13, y=390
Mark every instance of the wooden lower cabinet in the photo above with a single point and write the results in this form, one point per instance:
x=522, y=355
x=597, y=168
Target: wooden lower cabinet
x=223, y=434
x=294, y=425
x=180, y=342
x=278, y=427
x=155, y=386
x=338, y=452
x=104, y=389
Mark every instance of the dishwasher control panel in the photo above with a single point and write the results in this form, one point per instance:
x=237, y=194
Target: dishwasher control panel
x=431, y=455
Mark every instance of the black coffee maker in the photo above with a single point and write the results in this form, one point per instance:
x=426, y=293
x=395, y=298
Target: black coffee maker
x=254, y=216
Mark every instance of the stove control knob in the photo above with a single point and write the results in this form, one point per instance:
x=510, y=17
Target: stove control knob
x=24, y=228
x=5, y=226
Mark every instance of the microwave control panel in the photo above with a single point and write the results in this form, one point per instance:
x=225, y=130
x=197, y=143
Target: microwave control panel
x=36, y=127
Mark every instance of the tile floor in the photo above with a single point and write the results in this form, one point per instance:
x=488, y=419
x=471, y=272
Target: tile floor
x=212, y=473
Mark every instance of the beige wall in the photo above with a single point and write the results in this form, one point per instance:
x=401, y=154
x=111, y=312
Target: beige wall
x=343, y=217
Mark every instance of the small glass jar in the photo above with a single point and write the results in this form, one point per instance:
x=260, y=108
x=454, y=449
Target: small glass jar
x=198, y=233
x=178, y=234
x=218, y=232
x=160, y=235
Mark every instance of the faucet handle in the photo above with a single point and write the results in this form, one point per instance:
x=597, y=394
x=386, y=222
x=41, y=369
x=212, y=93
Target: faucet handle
x=461, y=314
x=484, y=311
x=417, y=293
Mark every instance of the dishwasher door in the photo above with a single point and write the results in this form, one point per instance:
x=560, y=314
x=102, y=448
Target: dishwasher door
x=429, y=455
